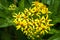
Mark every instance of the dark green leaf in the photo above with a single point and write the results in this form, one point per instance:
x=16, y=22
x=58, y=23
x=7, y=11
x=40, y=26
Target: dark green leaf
x=55, y=37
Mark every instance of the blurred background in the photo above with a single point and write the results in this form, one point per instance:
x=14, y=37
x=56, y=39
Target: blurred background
x=7, y=28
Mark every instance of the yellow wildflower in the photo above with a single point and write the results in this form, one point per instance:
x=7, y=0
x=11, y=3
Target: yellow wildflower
x=12, y=7
x=43, y=29
x=17, y=15
x=41, y=20
x=44, y=10
x=46, y=20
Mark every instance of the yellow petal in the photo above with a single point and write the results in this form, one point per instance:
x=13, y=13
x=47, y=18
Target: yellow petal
x=18, y=27
x=46, y=31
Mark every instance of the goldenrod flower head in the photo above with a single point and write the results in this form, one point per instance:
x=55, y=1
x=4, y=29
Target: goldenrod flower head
x=33, y=21
x=12, y=7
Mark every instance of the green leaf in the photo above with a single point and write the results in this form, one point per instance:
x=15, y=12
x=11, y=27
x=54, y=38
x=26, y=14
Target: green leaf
x=5, y=22
x=21, y=5
x=55, y=37
x=5, y=17
x=54, y=7
x=53, y=31
x=27, y=4
x=4, y=3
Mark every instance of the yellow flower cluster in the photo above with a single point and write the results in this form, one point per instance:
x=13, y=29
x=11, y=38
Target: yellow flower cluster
x=33, y=21
x=12, y=7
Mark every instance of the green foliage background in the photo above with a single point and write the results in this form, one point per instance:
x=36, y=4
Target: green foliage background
x=8, y=30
